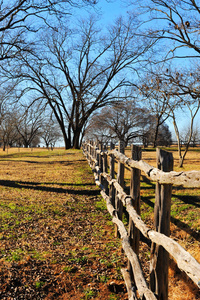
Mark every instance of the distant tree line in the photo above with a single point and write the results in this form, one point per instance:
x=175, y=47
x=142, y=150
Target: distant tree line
x=28, y=127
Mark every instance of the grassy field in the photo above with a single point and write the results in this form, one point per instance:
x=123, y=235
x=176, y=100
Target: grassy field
x=56, y=237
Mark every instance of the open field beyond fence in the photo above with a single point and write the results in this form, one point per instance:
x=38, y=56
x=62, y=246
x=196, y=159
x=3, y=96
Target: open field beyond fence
x=57, y=239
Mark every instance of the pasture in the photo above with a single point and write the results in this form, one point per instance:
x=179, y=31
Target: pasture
x=57, y=239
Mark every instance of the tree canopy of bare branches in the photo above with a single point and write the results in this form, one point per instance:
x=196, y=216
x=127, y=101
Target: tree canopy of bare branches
x=173, y=91
x=174, y=22
x=17, y=17
x=80, y=70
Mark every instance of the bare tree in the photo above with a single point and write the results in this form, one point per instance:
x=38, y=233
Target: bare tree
x=80, y=71
x=122, y=121
x=156, y=100
x=28, y=122
x=50, y=132
x=195, y=140
x=185, y=132
x=8, y=132
x=181, y=92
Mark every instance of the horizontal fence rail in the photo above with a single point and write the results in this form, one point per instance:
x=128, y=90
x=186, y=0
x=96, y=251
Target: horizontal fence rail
x=112, y=190
x=189, y=179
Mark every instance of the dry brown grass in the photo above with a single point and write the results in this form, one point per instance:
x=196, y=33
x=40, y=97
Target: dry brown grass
x=56, y=235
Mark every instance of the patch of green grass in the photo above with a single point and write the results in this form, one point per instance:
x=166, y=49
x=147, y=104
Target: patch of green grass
x=90, y=294
x=79, y=260
x=39, y=284
x=12, y=206
x=100, y=205
x=38, y=255
x=114, y=297
x=16, y=255
x=103, y=278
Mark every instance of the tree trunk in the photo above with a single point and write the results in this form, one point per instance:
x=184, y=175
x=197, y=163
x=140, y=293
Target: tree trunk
x=67, y=143
x=76, y=138
x=67, y=139
x=178, y=141
x=26, y=144
x=156, y=132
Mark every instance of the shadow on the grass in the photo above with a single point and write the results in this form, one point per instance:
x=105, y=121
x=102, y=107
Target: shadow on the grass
x=41, y=187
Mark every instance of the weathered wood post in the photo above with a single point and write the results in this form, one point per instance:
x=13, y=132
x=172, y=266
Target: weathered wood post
x=105, y=162
x=97, y=155
x=159, y=256
x=90, y=152
x=112, y=175
x=100, y=161
x=95, y=150
x=105, y=168
x=93, y=153
x=120, y=179
x=86, y=149
x=134, y=233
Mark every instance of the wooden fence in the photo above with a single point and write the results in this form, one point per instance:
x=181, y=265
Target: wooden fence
x=101, y=160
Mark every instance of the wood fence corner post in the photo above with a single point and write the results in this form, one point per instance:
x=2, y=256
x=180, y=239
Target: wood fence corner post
x=134, y=233
x=159, y=256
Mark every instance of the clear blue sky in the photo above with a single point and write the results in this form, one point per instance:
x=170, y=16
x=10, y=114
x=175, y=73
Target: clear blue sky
x=112, y=10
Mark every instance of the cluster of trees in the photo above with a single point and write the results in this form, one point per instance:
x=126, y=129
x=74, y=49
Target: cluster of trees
x=127, y=122
x=28, y=127
x=88, y=75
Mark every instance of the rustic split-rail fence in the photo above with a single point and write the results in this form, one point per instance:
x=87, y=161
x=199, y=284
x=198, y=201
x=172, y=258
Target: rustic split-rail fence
x=101, y=159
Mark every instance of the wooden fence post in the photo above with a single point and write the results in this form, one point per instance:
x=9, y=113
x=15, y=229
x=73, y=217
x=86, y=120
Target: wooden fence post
x=97, y=155
x=100, y=161
x=159, y=256
x=90, y=151
x=134, y=233
x=86, y=149
x=105, y=162
x=94, y=153
x=112, y=175
x=100, y=157
x=120, y=179
x=105, y=169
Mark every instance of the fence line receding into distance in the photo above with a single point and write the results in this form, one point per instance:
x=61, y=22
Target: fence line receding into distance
x=101, y=160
